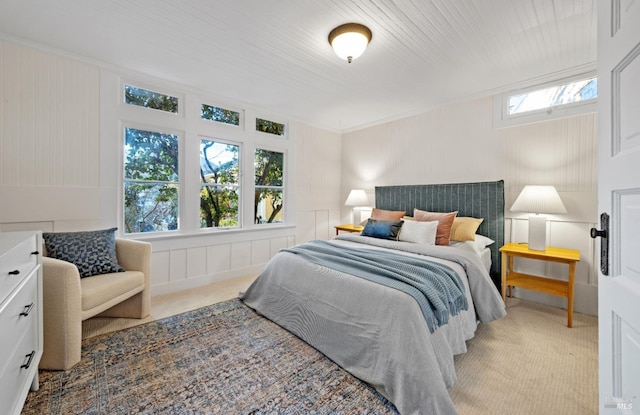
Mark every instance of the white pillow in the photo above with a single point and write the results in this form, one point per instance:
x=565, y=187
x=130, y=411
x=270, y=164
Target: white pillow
x=482, y=241
x=477, y=245
x=419, y=232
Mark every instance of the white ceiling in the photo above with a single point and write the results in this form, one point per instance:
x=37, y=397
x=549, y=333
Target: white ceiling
x=274, y=54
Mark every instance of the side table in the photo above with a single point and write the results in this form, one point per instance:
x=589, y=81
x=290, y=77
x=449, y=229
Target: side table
x=543, y=284
x=349, y=228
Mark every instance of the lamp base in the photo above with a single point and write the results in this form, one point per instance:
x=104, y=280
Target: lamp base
x=537, y=233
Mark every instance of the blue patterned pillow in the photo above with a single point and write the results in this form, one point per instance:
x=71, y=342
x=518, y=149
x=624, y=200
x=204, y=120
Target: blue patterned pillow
x=382, y=229
x=92, y=252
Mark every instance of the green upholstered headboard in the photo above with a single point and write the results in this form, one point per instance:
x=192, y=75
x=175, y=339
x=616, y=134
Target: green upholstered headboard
x=478, y=200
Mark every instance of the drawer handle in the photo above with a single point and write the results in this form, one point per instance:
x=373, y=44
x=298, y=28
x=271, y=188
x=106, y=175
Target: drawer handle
x=15, y=272
x=30, y=356
x=35, y=253
x=27, y=310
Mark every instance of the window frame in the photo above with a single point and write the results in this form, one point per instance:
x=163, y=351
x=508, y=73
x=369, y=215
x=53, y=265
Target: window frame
x=151, y=87
x=285, y=201
x=502, y=118
x=180, y=171
x=270, y=118
x=224, y=106
x=191, y=129
x=240, y=185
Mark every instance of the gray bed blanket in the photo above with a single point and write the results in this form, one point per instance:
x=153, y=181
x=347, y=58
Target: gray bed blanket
x=437, y=289
x=489, y=304
x=377, y=333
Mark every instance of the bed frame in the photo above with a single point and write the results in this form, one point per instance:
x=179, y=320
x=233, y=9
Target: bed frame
x=478, y=200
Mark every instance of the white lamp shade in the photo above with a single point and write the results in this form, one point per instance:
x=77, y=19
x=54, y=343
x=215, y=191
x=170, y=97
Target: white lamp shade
x=539, y=199
x=350, y=45
x=357, y=197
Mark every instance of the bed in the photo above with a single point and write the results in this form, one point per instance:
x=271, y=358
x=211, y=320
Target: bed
x=380, y=333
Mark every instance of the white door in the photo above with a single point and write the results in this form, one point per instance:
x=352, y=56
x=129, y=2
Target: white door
x=619, y=196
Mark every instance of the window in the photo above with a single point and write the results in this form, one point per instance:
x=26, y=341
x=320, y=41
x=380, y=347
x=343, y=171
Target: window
x=219, y=184
x=553, y=96
x=270, y=127
x=150, y=99
x=208, y=112
x=269, y=186
x=162, y=189
x=151, y=179
x=555, y=99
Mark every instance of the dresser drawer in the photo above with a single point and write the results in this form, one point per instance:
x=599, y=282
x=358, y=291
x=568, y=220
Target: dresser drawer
x=12, y=319
x=16, y=263
x=15, y=379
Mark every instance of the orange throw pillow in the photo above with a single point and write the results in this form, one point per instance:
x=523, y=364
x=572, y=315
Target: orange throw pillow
x=386, y=215
x=445, y=222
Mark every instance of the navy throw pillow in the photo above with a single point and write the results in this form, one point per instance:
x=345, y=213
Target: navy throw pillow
x=382, y=229
x=92, y=252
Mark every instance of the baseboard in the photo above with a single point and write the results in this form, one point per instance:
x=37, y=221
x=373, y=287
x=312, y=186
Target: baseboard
x=185, y=284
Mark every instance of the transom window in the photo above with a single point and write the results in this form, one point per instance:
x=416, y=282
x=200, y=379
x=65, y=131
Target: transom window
x=543, y=102
x=150, y=99
x=269, y=127
x=554, y=96
x=225, y=116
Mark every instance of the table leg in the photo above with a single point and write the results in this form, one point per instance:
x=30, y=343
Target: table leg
x=572, y=276
x=503, y=274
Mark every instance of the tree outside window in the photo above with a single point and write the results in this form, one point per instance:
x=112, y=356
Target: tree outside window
x=269, y=127
x=217, y=114
x=219, y=184
x=269, y=186
x=150, y=99
x=150, y=181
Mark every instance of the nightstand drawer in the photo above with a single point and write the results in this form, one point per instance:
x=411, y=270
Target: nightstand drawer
x=12, y=319
x=16, y=263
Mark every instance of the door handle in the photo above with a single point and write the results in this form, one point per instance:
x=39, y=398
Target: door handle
x=604, y=242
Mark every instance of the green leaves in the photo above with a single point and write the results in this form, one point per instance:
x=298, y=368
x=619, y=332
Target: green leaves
x=219, y=175
x=150, y=155
x=151, y=178
x=268, y=200
x=150, y=99
x=270, y=127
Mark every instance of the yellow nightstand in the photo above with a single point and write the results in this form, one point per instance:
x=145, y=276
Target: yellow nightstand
x=511, y=278
x=349, y=228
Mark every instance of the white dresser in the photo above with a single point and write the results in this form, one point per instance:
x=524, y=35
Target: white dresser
x=20, y=317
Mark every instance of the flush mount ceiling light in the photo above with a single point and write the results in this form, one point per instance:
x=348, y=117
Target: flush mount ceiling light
x=350, y=40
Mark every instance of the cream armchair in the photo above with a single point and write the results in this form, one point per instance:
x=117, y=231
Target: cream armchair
x=68, y=300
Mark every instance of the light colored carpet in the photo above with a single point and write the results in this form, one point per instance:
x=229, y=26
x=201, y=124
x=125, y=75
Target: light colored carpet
x=526, y=363
x=530, y=362
x=171, y=304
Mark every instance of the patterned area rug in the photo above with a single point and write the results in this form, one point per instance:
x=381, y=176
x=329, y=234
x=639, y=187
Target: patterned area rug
x=221, y=359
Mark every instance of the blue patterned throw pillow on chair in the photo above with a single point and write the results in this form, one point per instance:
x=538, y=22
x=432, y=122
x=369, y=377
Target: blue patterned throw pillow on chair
x=92, y=252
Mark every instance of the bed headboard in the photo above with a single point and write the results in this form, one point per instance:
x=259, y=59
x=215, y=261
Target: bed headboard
x=478, y=200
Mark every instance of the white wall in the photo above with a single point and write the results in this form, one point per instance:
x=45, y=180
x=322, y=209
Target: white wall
x=60, y=162
x=458, y=143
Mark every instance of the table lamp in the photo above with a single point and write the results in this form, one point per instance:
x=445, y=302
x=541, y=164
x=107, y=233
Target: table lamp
x=357, y=198
x=538, y=200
